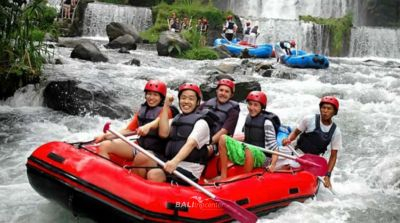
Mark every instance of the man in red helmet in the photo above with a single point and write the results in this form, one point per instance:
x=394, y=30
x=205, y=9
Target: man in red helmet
x=283, y=48
x=227, y=111
x=318, y=132
x=229, y=28
x=260, y=130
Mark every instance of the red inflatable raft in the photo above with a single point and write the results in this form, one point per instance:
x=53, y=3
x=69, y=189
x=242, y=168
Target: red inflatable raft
x=106, y=191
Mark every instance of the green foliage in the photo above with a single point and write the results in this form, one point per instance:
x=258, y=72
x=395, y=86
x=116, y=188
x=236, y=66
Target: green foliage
x=174, y=47
x=192, y=37
x=200, y=54
x=193, y=9
x=22, y=29
x=339, y=28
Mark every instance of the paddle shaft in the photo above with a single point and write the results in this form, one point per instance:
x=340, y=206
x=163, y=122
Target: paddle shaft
x=160, y=162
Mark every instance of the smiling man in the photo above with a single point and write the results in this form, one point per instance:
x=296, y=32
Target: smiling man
x=225, y=109
x=318, y=132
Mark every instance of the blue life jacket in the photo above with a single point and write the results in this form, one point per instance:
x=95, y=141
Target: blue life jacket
x=317, y=141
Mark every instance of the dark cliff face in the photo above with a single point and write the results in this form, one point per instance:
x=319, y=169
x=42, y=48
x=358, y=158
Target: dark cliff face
x=380, y=13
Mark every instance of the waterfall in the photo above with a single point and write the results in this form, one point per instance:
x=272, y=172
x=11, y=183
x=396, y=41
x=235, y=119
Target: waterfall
x=99, y=15
x=288, y=9
x=279, y=20
x=371, y=41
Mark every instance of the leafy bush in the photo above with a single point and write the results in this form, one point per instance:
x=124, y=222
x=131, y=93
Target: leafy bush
x=22, y=29
x=200, y=54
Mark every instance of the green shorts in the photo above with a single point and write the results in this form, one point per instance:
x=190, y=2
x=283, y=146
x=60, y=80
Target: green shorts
x=236, y=152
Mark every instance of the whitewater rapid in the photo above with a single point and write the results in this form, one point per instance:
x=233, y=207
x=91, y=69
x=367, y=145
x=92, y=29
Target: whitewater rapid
x=366, y=178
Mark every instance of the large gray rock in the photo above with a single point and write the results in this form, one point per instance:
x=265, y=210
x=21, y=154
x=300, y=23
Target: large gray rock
x=88, y=51
x=116, y=29
x=171, y=39
x=126, y=41
x=69, y=97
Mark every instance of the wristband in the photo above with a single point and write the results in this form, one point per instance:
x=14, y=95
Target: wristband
x=328, y=174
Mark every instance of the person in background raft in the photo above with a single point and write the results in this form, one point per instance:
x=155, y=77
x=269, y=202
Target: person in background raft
x=253, y=36
x=260, y=130
x=229, y=28
x=246, y=32
x=317, y=132
x=188, y=134
x=227, y=111
x=283, y=48
x=144, y=122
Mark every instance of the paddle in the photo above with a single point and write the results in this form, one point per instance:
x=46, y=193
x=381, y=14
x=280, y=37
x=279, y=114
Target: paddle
x=319, y=178
x=312, y=163
x=92, y=140
x=231, y=208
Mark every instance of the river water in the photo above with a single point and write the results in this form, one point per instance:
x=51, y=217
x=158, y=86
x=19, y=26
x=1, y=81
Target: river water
x=366, y=178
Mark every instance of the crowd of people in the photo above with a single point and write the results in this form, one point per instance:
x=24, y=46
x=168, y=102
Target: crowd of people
x=202, y=130
x=68, y=8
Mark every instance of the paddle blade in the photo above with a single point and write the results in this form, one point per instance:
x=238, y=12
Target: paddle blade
x=235, y=211
x=314, y=164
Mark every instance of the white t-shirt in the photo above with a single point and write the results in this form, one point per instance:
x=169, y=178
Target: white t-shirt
x=201, y=134
x=308, y=125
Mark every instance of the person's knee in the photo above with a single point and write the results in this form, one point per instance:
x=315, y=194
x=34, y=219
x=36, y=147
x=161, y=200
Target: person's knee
x=156, y=175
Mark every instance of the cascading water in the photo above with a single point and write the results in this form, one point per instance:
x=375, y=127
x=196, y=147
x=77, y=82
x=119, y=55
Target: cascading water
x=279, y=20
x=380, y=42
x=99, y=15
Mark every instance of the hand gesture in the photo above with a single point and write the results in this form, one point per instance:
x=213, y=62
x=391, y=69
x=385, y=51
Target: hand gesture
x=169, y=99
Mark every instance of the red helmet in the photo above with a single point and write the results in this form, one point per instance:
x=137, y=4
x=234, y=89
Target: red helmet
x=330, y=100
x=228, y=83
x=258, y=96
x=156, y=86
x=190, y=86
x=229, y=17
x=292, y=43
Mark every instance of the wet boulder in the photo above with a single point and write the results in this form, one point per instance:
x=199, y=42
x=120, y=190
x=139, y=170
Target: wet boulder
x=88, y=51
x=75, y=98
x=126, y=41
x=116, y=29
x=170, y=43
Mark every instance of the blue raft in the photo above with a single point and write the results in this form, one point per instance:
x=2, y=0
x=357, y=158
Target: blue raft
x=260, y=51
x=306, y=60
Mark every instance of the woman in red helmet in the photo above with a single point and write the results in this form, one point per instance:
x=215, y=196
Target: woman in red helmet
x=260, y=130
x=318, y=132
x=144, y=122
x=188, y=135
